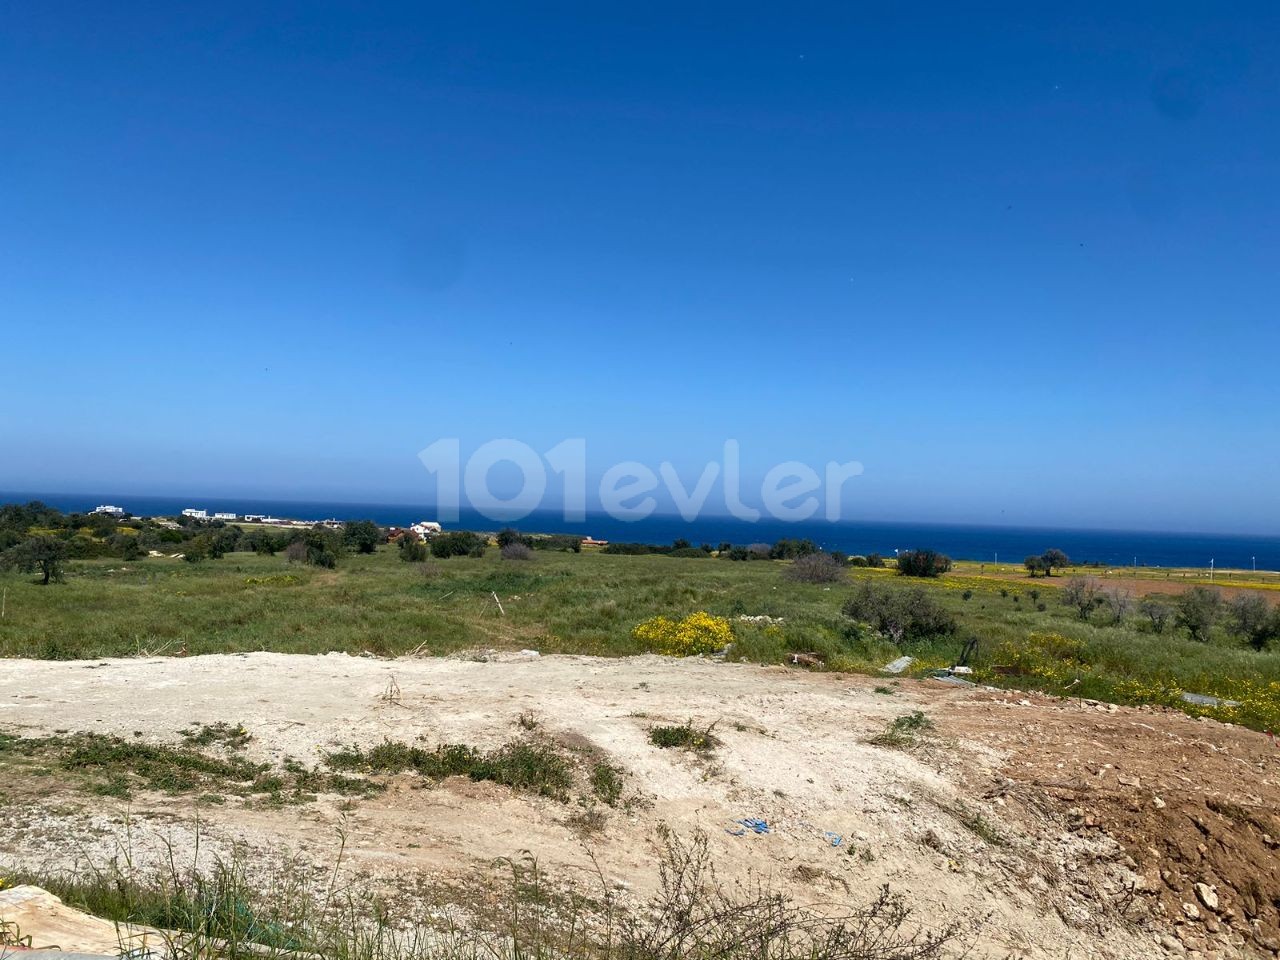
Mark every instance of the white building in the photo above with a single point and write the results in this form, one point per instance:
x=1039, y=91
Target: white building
x=224, y=516
x=254, y=517
x=196, y=514
x=426, y=529
x=109, y=509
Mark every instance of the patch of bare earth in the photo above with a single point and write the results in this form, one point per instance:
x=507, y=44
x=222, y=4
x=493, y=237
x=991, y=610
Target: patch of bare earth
x=1191, y=804
x=998, y=815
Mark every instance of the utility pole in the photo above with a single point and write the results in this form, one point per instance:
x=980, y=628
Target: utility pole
x=1211, y=569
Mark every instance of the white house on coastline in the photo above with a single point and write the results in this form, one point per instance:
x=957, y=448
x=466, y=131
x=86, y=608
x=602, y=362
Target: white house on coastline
x=110, y=510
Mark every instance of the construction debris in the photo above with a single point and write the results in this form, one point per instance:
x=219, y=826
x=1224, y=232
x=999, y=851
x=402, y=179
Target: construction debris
x=897, y=666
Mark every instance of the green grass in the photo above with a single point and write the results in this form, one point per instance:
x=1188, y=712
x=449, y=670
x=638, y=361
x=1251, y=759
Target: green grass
x=684, y=736
x=114, y=767
x=589, y=603
x=531, y=766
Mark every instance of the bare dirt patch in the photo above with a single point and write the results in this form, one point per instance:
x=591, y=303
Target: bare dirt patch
x=995, y=812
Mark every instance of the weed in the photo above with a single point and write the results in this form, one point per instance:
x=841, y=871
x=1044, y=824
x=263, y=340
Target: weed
x=232, y=736
x=606, y=782
x=685, y=736
x=528, y=766
x=903, y=732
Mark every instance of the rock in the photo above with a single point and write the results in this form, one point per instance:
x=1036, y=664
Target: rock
x=1191, y=910
x=1130, y=781
x=1207, y=895
x=1157, y=803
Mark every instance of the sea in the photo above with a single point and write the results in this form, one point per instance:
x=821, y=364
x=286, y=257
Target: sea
x=996, y=544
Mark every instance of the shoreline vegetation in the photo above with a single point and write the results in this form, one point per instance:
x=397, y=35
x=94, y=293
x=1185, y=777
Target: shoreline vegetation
x=82, y=586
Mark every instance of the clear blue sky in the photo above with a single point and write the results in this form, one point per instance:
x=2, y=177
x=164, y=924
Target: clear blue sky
x=1020, y=261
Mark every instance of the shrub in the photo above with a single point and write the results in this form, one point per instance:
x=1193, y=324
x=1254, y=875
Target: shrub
x=321, y=547
x=875, y=560
x=1198, y=611
x=900, y=614
x=816, y=568
x=923, y=563
x=685, y=736
x=1253, y=620
x=412, y=550
x=515, y=550
x=509, y=535
x=458, y=543
x=791, y=549
x=1157, y=611
x=689, y=553
x=696, y=634
x=1081, y=593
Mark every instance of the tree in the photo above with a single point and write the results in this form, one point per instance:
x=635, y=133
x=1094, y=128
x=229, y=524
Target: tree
x=1158, y=612
x=923, y=563
x=363, y=535
x=43, y=554
x=1054, y=559
x=1082, y=594
x=1035, y=565
x=1253, y=620
x=1198, y=610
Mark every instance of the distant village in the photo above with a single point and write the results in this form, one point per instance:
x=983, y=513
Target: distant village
x=423, y=529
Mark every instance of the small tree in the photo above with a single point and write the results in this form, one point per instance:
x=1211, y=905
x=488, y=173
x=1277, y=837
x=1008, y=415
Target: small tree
x=43, y=554
x=1253, y=620
x=515, y=550
x=1198, y=611
x=1082, y=594
x=923, y=563
x=1158, y=612
x=1054, y=559
x=1118, y=602
x=363, y=535
x=1035, y=565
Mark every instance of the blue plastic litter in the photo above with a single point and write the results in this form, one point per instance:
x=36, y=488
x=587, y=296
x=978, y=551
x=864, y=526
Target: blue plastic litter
x=835, y=838
x=754, y=825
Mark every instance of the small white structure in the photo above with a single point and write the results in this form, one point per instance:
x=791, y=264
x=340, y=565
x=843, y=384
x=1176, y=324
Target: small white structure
x=110, y=510
x=426, y=529
x=196, y=514
x=254, y=517
x=224, y=516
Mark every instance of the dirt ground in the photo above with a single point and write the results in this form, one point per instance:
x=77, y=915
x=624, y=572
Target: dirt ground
x=1062, y=829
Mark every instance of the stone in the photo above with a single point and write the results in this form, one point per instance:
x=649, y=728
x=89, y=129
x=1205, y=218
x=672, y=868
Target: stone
x=1207, y=895
x=1191, y=911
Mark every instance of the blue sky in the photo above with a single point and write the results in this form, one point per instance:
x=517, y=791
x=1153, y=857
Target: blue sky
x=1019, y=262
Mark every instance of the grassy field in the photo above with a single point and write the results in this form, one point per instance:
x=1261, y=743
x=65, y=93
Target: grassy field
x=591, y=602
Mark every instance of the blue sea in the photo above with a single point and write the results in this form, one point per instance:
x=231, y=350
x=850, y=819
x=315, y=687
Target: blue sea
x=963, y=542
